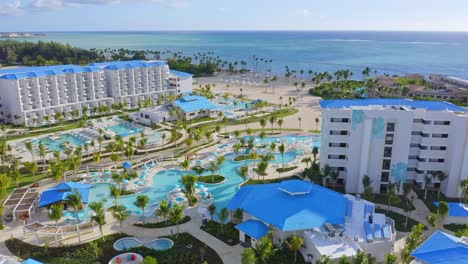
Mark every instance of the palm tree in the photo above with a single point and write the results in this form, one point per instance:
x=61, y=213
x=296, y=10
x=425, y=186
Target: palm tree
x=30, y=147
x=280, y=123
x=442, y=212
x=294, y=244
x=98, y=214
x=141, y=202
x=361, y=258
x=315, y=151
x=220, y=161
x=264, y=249
x=427, y=180
x=121, y=214
x=189, y=181
x=32, y=167
x=176, y=215
x=282, y=149
x=185, y=164
x=300, y=122
x=272, y=121
x=115, y=192
x=464, y=189
x=263, y=123
x=223, y=216
x=75, y=202
x=441, y=176
x=390, y=258
x=163, y=210
x=118, y=178
x=55, y=212
x=324, y=260
x=212, y=210
x=317, y=121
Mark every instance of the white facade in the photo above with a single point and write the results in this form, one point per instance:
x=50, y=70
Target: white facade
x=33, y=95
x=393, y=143
x=181, y=81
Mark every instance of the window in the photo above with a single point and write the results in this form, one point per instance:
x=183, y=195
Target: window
x=390, y=127
x=341, y=157
x=386, y=164
x=384, y=177
x=337, y=145
x=438, y=148
x=421, y=121
x=442, y=123
x=440, y=135
x=414, y=157
x=417, y=145
x=339, y=120
x=389, y=139
x=437, y=160
x=419, y=133
x=339, y=132
x=387, y=152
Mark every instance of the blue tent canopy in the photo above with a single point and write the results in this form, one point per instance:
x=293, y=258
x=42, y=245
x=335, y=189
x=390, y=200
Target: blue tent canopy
x=442, y=248
x=61, y=192
x=127, y=165
x=31, y=261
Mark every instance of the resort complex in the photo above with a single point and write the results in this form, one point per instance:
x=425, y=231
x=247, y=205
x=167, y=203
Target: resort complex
x=36, y=96
x=129, y=162
x=395, y=141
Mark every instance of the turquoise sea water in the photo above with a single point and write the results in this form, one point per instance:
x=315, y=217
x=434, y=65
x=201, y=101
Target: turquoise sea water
x=390, y=52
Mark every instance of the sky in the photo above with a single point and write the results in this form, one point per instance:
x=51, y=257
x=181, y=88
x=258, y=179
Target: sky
x=100, y=15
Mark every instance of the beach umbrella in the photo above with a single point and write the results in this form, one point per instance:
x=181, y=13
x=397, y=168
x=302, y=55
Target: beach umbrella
x=127, y=165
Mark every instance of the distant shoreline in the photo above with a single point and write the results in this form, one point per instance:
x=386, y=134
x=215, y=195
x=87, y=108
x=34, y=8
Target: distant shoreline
x=14, y=35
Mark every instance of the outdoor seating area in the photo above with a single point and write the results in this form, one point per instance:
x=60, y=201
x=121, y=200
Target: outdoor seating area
x=127, y=258
x=21, y=203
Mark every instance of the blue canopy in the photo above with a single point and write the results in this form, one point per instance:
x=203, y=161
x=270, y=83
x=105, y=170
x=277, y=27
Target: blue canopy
x=291, y=205
x=127, y=165
x=442, y=248
x=61, y=192
x=253, y=228
x=456, y=209
x=31, y=261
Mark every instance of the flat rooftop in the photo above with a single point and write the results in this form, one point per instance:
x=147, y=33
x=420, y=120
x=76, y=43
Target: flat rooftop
x=411, y=104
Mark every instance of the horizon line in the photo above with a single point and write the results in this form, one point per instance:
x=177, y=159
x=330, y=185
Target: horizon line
x=240, y=30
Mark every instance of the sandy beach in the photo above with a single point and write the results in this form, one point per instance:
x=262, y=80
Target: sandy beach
x=253, y=88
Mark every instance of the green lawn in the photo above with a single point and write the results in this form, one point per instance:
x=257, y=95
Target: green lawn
x=281, y=170
x=382, y=199
x=399, y=220
x=230, y=235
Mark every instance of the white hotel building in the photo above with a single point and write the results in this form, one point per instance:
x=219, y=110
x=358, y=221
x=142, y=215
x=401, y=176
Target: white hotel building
x=395, y=140
x=30, y=95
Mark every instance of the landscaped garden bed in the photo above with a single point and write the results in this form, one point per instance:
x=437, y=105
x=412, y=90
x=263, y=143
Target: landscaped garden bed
x=186, y=250
x=249, y=157
x=280, y=170
x=230, y=235
x=252, y=181
x=459, y=230
x=211, y=179
x=162, y=224
x=431, y=198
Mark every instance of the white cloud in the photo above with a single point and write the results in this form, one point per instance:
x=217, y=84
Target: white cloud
x=11, y=8
x=19, y=7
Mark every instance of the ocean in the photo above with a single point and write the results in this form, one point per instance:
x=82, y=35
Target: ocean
x=387, y=52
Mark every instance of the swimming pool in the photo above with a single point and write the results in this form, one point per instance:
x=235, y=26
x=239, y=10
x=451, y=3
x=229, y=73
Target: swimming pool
x=164, y=181
x=155, y=138
x=131, y=242
x=125, y=129
x=56, y=145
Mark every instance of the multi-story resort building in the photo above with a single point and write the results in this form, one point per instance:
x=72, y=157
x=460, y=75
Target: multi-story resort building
x=33, y=95
x=341, y=226
x=395, y=140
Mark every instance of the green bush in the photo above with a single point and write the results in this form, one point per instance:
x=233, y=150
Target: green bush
x=280, y=170
x=161, y=224
x=211, y=179
x=230, y=236
x=150, y=260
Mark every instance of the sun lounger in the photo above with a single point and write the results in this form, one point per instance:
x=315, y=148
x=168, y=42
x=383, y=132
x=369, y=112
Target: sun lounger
x=368, y=231
x=377, y=232
x=349, y=209
x=387, y=232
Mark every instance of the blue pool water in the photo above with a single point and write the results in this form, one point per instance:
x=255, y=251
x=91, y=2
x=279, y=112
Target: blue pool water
x=53, y=145
x=155, y=138
x=125, y=129
x=130, y=242
x=164, y=181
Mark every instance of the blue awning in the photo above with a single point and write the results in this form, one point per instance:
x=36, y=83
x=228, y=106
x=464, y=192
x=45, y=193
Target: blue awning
x=253, y=228
x=61, y=192
x=31, y=261
x=442, y=248
x=456, y=209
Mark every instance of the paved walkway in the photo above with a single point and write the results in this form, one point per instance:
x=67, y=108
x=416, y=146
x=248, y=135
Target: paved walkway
x=229, y=254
